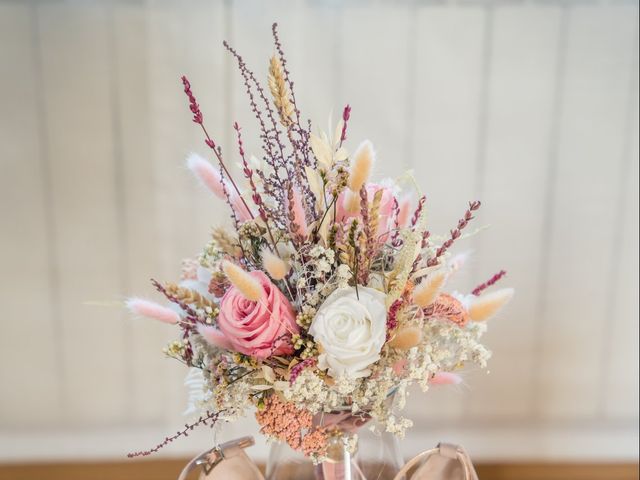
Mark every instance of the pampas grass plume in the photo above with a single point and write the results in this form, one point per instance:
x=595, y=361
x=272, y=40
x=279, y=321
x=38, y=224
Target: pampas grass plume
x=487, y=305
x=426, y=291
x=361, y=166
x=274, y=265
x=406, y=338
x=149, y=309
x=248, y=286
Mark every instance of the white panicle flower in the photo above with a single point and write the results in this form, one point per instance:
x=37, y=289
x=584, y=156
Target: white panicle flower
x=350, y=327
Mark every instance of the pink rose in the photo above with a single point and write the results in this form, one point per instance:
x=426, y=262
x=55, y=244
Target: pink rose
x=386, y=207
x=259, y=329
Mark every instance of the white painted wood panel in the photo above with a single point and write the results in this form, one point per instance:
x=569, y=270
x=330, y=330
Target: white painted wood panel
x=73, y=43
x=29, y=332
x=522, y=90
x=444, y=132
x=595, y=93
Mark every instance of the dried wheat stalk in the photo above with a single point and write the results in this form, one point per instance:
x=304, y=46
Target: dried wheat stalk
x=188, y=296
x=280, y=92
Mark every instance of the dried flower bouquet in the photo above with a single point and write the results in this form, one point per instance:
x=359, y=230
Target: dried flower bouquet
x=328, y=292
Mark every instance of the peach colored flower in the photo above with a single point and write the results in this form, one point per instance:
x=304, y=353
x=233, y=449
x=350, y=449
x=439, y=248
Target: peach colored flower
x=258, y=328
x=449, y=307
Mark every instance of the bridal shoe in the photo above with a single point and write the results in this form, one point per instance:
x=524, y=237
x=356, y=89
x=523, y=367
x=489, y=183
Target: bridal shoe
x=445, y=462
x=228, y=461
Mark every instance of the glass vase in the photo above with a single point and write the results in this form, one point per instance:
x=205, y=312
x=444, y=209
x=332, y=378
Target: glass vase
x=354, y=452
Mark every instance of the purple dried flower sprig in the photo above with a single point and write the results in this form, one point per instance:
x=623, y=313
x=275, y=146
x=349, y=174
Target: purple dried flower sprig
x=298, y=368
x=210, y=418
x=346, y=115
x=199, y=119
x=455, y=233
x=483, y=286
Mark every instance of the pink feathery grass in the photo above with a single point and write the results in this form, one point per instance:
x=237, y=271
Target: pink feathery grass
x=445, y=378
x=211, y=178
x=297, y=209
x=149, y=309
x=404, y=211
x=207, y=174
x=214, y=336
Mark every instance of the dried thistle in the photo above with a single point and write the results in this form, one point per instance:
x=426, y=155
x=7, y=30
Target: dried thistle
x=280, y=92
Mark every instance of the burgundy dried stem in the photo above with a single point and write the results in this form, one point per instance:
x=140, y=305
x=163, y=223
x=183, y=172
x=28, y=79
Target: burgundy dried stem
x=198, y=118
x=392, y=316
x=346, y=114
x=483, y=286
x=395, y=213
x=455, y=233
x=209, y=418
x=298, y=368
x=248, y=173
x=418, y=211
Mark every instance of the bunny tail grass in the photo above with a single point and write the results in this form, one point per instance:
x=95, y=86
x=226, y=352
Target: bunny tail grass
x=149, y=309
x=487, y=305
x=445, y=378
x=214, y=336
x=361, y=166
x=427, y=291
x=248, y=286
x=274, y=265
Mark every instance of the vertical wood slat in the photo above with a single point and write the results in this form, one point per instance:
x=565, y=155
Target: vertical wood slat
x=619, y=383
x=136, y=190
x=582, y=224
x=182, y=41
x=29, y=330
x=525, y=51
x=373, y=72
x=74, y=53
x=448, y=84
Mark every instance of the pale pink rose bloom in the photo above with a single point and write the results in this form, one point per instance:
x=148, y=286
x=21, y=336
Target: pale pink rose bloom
x=258, y=329
x=386, y=208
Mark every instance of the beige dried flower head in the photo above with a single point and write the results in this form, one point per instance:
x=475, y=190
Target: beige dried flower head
x=427, y=291
x=248, y=286
x=276, y=267
x=226, y=242
x=406, y=338
x=487, y=305
x=361, y=165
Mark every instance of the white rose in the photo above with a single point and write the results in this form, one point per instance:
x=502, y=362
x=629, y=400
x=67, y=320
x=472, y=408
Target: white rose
x=351, y=329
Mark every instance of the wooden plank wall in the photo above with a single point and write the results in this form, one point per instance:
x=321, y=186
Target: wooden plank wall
x=531, y=106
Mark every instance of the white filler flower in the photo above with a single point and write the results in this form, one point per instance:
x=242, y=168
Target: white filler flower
x=350, y=329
